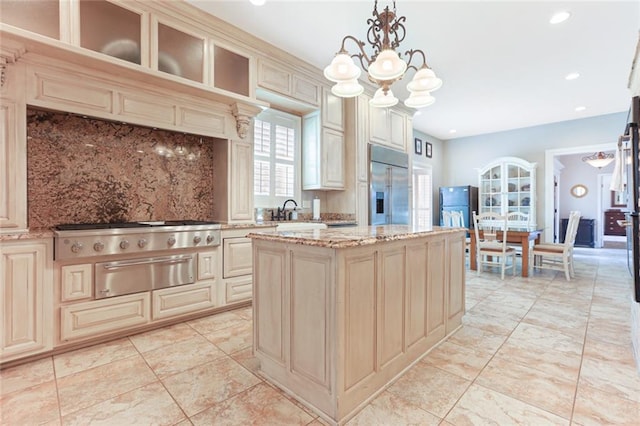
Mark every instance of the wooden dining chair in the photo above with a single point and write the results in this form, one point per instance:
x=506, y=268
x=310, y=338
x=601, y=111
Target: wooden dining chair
x=491, y=242
x=559, y=256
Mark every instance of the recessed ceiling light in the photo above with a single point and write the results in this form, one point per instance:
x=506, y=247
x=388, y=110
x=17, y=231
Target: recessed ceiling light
x=580, y=108
x=258, y=2
x=452, y=131
x=559, y=17
x=572, y=76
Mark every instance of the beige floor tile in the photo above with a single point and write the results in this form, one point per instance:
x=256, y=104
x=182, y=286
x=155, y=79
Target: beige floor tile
x=429, y=388
x=89, y=387
x=482, y=406
x=34, y=405
x=388, y=409
x=559, y=317
x=260, y=405
x=199, y=388
x=546, y=391
x=459, y=360
x=26, y=375
x=609, y=331
x=504, y=310
x=168, y=360
x=490, y=323
x=150, y=404
x=611, y=376
x=233, y=339
x=247, y=360
x=93, y=356
x=246, y=313
x=594, y=407
x=213, y=323
x=548, y=338
x=155, y=339
x=477, y=338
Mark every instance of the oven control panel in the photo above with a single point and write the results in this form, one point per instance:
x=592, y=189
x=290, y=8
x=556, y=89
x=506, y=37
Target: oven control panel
x=79, y=244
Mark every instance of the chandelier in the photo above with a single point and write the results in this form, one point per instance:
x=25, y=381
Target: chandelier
x=598, y=159
x=385, y=66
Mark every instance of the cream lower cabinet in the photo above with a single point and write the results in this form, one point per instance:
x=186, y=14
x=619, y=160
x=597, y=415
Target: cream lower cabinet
x=26, y=298
x=237, y=261
x=335, y=326
x=81, y=317
x=185, y=299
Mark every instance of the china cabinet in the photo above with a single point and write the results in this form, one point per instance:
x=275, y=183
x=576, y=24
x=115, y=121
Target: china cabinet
x=506, y=185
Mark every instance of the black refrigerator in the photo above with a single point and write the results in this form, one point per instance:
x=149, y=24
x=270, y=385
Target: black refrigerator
x=459, y=198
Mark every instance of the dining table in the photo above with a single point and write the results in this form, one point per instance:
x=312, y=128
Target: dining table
x=521, y=236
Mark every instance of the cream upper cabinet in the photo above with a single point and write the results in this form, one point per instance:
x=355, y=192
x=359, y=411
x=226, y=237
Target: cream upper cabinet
x=13, y=151
x=508, y=184
x=26, y=298
x=234, y=172
x=322, y=155
x=388, y=127
x=280, y=79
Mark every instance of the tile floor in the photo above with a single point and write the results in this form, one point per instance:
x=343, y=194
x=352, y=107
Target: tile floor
x=531, y=351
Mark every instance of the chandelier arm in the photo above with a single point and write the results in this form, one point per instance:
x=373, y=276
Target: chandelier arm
x=410, y=54
x=362, y=56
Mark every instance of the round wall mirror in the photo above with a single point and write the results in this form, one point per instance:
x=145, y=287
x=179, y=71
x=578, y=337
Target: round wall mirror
x=579, y=190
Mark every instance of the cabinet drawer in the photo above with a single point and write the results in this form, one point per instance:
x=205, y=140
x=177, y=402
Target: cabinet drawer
x=77, y=282
x=174, y=301
x=102, y=316
x=237, y=257
x=239, y=290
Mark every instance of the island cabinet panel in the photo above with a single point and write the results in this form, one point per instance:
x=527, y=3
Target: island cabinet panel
x=436, y=270
x=391, y=301
x=269, y=318
x=416, y=313
x=455, y=298
x=310, y=304
x=359, y=316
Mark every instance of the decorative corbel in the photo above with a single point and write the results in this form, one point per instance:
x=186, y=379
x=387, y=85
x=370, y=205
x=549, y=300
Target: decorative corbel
x=10, y=52
x=243, y=114
x=3, y=71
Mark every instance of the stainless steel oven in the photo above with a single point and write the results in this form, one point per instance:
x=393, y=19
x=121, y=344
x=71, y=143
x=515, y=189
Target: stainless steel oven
x=134, y=275
x=132, y=257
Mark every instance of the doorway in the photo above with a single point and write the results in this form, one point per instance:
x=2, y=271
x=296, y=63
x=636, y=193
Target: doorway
x=553, y=173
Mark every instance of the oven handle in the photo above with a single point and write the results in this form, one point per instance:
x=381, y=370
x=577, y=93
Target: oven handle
x=164, y=260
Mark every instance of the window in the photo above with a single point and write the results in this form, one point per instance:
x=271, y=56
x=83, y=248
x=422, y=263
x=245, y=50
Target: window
x=276, y=160
x=422, y=197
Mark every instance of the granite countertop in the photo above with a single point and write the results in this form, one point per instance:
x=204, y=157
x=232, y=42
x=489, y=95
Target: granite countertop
x=32, y=234
x=224, y=226
x=352, y=237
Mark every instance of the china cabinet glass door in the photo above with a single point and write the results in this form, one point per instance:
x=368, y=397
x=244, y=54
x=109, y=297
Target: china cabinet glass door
x=508, y=185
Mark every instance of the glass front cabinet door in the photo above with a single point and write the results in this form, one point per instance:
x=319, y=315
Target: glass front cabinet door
x=508, y=185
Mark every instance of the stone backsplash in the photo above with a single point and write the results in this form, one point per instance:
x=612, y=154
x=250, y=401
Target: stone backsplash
x=82, y=170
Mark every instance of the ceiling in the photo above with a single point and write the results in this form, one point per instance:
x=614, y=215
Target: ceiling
x=503, y=64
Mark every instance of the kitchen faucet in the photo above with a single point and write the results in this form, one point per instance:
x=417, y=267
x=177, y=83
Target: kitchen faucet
x=281, y=211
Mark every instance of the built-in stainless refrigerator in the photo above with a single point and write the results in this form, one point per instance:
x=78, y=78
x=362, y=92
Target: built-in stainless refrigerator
x=389, y=186
x=461, y=199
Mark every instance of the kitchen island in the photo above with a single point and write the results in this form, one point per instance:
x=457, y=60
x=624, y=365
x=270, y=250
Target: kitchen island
x=338, y=314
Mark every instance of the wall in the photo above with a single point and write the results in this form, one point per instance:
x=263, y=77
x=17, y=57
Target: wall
x=437, y=166
x=463, y=156
x=82, y=170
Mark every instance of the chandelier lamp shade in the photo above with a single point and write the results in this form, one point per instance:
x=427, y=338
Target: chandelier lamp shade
x=598, y=159
x=384, y=66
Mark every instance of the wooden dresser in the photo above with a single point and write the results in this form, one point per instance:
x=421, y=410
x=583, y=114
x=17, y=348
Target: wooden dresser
x=611, y=218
